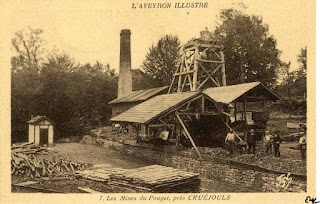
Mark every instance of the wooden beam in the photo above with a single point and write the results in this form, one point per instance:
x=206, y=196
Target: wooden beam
x=156, y=125
x=216, y=54
x=202, y=104
x=195, y=67
x=168, y=125
x=209, y=75
x=178, y=134
x=189, y=136
x=235, y=111
x=210, y=61
x=245, y=110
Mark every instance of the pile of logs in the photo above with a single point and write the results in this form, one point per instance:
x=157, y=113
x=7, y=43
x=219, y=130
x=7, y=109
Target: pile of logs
x=30, y=148
x=25, y=163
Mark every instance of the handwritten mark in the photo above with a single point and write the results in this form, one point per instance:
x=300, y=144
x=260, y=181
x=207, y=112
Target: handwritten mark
x=313, y=200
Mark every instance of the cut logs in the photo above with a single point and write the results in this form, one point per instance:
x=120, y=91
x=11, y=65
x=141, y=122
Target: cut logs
x=25, y=163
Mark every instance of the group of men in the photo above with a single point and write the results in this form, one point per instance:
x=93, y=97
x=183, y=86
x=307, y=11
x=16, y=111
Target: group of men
x=271, y=141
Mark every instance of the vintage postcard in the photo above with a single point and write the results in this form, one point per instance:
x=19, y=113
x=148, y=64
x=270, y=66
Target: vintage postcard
x=158, y=101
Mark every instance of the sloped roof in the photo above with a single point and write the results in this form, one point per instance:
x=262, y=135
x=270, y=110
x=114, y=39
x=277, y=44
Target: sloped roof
x=154, y=107
x=38, y=119
x=227, y=94
x=140, y=95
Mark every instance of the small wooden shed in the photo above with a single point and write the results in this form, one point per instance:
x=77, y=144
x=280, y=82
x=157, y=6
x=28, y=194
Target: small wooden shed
x=41, y=130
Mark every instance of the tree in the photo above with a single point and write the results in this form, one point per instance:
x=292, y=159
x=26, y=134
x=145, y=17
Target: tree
x=26, y=84
x=161, y=60
x=141, y=80
x=301, y=81
x=250, y=52
x=29, y=46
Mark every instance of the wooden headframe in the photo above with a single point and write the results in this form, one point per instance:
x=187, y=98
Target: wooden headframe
x=201, y=62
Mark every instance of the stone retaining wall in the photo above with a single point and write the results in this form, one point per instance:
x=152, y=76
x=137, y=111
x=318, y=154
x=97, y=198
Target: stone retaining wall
x=249, y=176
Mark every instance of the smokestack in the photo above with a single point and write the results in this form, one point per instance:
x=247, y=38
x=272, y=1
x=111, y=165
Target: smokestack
x=125, y=75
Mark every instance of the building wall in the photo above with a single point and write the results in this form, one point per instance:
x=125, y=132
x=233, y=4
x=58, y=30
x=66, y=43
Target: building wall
x=37, y=134
x=50, y=135
x=34, y=132
x=252, y=177
x=122, y=107
x=31, y=133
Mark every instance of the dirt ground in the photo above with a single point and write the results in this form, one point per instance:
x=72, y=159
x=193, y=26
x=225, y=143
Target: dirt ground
x=100, y=156
x=95, y=155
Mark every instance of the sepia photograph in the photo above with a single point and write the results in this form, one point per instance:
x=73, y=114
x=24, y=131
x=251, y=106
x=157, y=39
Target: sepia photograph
x=158, y=101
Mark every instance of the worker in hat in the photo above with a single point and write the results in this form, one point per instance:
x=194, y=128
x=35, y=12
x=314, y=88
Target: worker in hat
x=267, y=139
x=231, y=140
x=303, y=145
x=251, y=140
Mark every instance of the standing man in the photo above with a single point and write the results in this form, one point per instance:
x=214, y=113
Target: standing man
x=276, y=144
x=251, y=140
x=230, y=140
x=267, y=140
x=303, y=145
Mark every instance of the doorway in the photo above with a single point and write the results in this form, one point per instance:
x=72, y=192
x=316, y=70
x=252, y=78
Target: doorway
x=43, y=136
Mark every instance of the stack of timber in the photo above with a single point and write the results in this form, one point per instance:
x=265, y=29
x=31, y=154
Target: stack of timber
x=157, y=179
x=102, y=175
x=25, y=163
x=30, y=148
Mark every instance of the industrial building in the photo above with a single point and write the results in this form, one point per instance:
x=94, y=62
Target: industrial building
x=198, y=107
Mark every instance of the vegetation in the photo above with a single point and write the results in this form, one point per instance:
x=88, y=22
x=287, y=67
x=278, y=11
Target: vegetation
x=75, y=96
x=251, y=53
x=161, y=60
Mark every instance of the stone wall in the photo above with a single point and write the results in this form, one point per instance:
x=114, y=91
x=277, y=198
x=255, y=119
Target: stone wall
x=256, y=178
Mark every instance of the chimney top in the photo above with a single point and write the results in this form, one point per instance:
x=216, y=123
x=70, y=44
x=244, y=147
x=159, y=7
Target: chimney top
x=125, y=32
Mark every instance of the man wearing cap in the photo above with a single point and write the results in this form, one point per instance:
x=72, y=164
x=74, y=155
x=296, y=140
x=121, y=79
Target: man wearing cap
x=303, y=145
x=251, y=140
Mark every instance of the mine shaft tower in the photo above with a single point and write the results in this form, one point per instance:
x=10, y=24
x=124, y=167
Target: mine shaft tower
x=202, y=65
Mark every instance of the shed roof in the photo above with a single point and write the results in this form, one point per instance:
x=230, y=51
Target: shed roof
x=38, y=118
x=154, y=107
x=140, y=95
x=227, y=94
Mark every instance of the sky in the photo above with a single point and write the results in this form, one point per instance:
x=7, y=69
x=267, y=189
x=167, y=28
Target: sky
x=89, y=31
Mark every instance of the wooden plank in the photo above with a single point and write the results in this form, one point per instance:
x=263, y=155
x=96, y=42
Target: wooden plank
x=195, y=67
x=189, y=136
x=88, y=190
x=27, y=183
x=210, y=61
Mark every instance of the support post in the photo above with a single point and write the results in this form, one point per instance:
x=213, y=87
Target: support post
x=195, y=67
x=189, y=136
x=177, y=137
x=138, y=131
x=223, y=69
x=245, y=110
x=202, y=104
x=235, y=111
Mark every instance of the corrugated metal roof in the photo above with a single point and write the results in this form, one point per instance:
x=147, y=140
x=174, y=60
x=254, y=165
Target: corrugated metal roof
x=227, y=94
x=140, y=95
x=154, y=107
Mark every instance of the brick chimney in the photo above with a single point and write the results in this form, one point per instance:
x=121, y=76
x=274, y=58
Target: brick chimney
x=125, y=75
